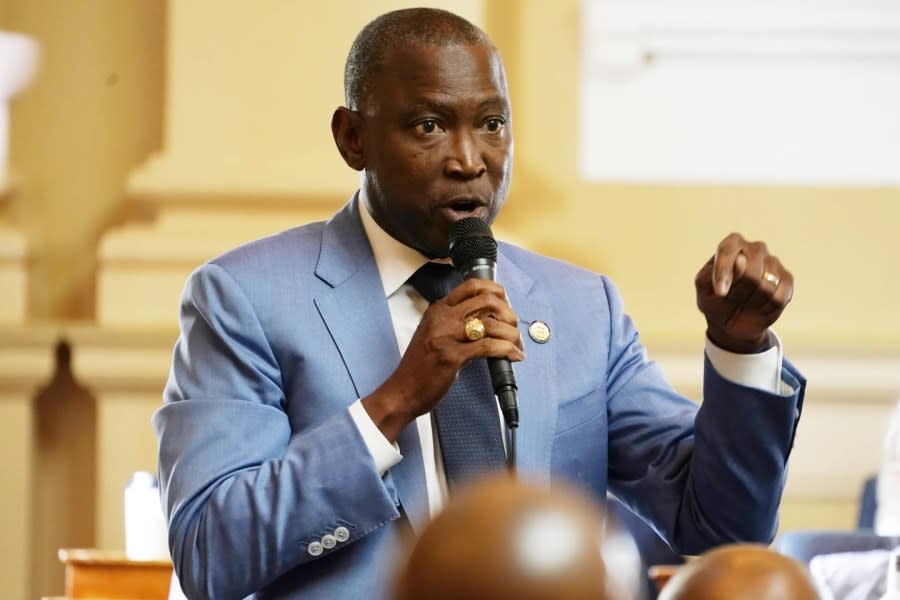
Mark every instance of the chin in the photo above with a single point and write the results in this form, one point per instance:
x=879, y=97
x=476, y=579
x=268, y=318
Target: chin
x=432, y=254
x=436, y=250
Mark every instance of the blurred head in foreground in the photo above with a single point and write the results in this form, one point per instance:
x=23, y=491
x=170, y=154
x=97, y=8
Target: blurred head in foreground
x=741, y=572
x=505, y=539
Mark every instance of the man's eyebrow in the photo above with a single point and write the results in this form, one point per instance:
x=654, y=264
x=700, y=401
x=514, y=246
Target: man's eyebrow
x=427, y=105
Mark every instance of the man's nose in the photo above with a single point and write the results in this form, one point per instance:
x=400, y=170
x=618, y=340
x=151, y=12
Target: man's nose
x=466, y=158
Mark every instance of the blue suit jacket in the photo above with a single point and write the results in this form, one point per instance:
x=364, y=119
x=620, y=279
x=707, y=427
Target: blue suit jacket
x=259, y=457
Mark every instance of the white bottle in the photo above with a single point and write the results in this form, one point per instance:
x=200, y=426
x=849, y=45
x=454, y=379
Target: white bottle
x=892, y=590
x=145, y=526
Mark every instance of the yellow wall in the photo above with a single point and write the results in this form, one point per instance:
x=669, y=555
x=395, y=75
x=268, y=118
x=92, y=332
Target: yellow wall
x=839, y=243
x=92, y=114
x=97, y=110
x=278, y=68
x=121, y=80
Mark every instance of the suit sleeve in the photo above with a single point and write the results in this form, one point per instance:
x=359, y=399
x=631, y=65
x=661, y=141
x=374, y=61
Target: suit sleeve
x=246, y=496
x=700, y=477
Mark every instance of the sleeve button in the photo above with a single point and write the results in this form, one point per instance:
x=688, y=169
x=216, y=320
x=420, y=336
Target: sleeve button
x=314, y=548
x=342, y=534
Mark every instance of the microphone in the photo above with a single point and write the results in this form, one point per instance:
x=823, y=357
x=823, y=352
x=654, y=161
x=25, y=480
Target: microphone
x=473, y=251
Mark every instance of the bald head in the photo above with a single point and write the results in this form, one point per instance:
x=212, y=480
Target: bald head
x=503, y=539
x=401, y=29
x=741, y=572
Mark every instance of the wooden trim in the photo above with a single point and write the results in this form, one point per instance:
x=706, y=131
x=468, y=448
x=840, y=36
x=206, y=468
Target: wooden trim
x=116, y=558
x=106, y=574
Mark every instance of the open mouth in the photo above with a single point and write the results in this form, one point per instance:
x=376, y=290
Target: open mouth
x=465, y=206
x=462, y=207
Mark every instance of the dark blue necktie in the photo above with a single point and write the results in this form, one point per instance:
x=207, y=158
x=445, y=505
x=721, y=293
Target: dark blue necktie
x=468, y=424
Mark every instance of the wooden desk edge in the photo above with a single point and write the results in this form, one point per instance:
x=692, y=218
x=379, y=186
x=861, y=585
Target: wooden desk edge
x=88, y=556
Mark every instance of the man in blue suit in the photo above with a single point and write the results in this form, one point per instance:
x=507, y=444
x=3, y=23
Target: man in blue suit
x=296, y=439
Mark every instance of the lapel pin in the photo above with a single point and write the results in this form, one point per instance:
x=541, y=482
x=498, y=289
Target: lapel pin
x=539, y=332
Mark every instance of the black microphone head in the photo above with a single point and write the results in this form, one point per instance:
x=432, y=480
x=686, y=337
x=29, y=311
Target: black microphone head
x=471, y=239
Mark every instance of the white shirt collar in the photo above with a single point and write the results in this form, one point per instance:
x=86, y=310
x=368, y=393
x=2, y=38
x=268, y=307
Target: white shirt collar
x=396, y=262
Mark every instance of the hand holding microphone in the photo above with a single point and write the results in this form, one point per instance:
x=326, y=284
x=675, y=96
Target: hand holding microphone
x=474, y=254
x=440, y=347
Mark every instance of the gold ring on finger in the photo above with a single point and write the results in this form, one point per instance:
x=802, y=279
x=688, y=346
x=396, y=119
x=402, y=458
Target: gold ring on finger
x=474, y=329
x=771, y=278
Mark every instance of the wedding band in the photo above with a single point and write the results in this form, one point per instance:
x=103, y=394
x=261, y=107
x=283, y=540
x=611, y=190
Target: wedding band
x=771, y=278
x=474, y=329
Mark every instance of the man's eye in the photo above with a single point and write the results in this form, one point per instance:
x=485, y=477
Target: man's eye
x=428, y=126
x=494, y=125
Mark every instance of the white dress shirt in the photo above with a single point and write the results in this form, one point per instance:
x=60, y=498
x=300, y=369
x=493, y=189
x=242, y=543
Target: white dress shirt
x=397, y=262
x=850, y=575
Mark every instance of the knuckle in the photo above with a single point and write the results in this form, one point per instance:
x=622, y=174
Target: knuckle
x=758, y=247
x=731, y=240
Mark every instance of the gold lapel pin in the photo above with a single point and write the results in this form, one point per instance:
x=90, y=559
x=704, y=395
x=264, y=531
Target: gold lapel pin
x=539, y=332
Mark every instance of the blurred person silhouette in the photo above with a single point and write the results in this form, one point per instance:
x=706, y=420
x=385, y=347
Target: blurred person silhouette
x=330, y=388
x=741, y=572
x=501, y=538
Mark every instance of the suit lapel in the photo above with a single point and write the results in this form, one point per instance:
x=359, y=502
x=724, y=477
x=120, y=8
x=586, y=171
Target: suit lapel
x=535, y=376
x=355, y=311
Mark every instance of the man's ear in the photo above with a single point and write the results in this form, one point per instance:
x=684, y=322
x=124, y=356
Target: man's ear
x=346, y=127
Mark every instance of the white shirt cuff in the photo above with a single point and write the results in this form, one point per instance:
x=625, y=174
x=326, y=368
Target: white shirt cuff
x=384, y=453
x=760, y=371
